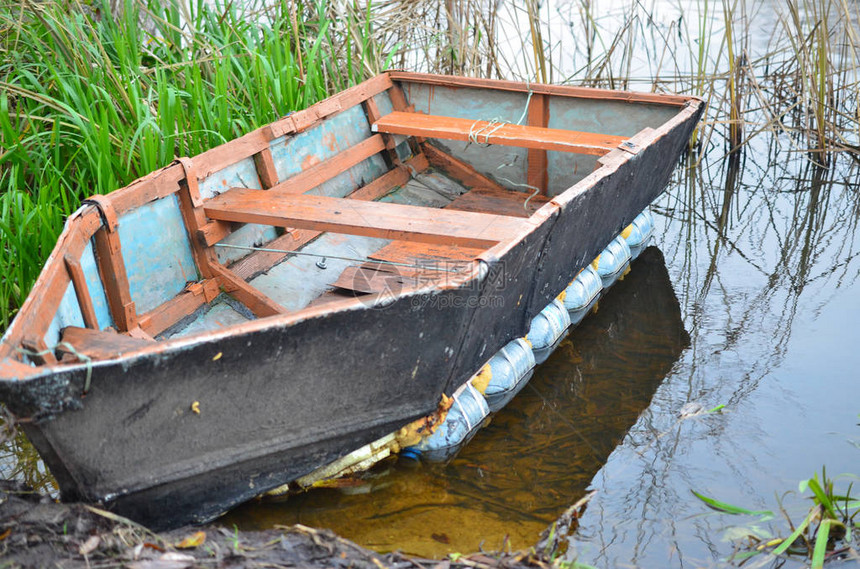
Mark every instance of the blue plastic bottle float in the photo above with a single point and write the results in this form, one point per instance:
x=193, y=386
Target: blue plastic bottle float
x=508, y=371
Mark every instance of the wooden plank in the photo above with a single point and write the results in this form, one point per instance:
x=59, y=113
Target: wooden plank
x=151, y=187
x=194, y=219
x=373, y=115
x=99, y=345
x=538, y=115
x=328, y=169
x=13, y=369
x=114, y=278
x=213, y=232
x=368, y=280
x=504, y=134
x=38, y=351
x=502, y=202
x=391, y=180
x=302, y=120
x=257, y=302
x=252, y=265
x=371, y=219
x=459, y=170
x=399, y=103
x=183, y=304
x=555, y=90
x=82, y=292
x=257, y=262
x=266, y=168
x=409, y=252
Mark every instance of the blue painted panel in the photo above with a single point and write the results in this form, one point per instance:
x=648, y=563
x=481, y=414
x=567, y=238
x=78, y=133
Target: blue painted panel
x=332, y=136
x=383, y=103
x=357, y=176
x=68, y=314
x=158, y=258
x=565, y=169
x=96, y=288
x=605, y=116
x=242, y=174
x=467, y=103
x=249, y=235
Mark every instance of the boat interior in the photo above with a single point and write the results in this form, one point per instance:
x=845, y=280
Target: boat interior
x=396, y=184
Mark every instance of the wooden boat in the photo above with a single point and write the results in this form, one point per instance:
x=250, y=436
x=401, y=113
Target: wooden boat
x=236, y=320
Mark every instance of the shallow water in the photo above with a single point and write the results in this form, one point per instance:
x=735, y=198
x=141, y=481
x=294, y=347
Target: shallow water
x=538, y=453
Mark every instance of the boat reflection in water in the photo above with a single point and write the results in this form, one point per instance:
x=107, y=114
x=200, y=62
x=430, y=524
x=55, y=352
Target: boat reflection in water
x=535, y=458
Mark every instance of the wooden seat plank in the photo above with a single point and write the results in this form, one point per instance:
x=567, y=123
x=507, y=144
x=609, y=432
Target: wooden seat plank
x=354, y=217
x=502, y=202
x=505, y=134
x=97, y=344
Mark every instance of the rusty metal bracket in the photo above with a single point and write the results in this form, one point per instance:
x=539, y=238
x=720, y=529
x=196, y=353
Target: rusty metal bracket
x=630, y=146
x=106, y=210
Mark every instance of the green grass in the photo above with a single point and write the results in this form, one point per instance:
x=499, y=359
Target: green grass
x=829, y=525
x=90, y=101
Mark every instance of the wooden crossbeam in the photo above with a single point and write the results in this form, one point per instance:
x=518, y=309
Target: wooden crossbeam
x=354, y=217
x=505, y=134
x=257, y=302
x=82, y=291
x=99, y=345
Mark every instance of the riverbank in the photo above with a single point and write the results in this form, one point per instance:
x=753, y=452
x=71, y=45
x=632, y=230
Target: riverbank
x=36, y=531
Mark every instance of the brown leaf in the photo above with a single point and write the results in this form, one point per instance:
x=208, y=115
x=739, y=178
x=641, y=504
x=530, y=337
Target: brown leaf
x=192, y=541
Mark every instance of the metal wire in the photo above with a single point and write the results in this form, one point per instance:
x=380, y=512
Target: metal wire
x=426, y=267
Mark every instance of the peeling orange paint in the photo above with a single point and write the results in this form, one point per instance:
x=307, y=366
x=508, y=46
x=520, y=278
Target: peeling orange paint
x=309, y=161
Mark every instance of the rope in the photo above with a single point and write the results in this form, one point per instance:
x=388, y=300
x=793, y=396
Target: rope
x=535, y=191
x=426, y=267
x=71, y=349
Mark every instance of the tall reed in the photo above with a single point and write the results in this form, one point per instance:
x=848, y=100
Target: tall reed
x=93, y=96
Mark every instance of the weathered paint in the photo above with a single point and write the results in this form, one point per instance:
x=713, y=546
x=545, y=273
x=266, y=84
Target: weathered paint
x=242, y=174
x=68, y=314
x=292, y=154
x=157, y=254
x=220, y=314
x=298, y=280
x=383, y=103
x=564, y=169
x=249, y=235
x=587, y=115
x=606, y=117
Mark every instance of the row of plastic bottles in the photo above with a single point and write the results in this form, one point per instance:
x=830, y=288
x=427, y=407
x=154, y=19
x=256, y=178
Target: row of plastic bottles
x=510, y=369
